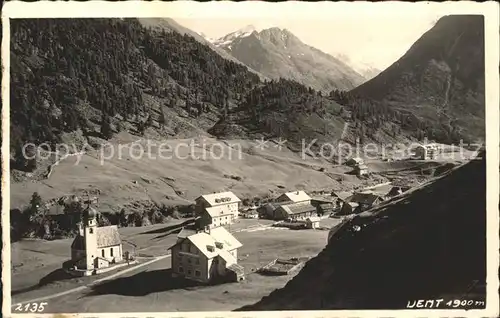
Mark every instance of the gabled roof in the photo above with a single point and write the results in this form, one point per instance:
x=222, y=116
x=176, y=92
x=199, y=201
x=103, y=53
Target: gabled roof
x=203, y=240
x=226, y=256
x=296, y=196
x=215, y=211
x=320, y=201
x=355, y=159
x=294, y=208
x=106, y=236
x=185, y=232
x=267, y=208
x=364, y=198
x=220, y=234
x=397, y=190
x=78, y=243
x=343, y=195
x=352, y=204
x=220, y=198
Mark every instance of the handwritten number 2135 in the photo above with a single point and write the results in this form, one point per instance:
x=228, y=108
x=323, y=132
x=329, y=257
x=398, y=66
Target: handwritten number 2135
x=31, y=307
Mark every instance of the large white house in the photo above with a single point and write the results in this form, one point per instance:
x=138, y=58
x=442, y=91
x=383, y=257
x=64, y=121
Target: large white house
x=207, y=256
x=95, y=247
x=217, y=209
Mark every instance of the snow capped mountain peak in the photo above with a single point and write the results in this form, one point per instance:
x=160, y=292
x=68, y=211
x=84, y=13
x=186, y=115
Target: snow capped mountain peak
x=240, y=33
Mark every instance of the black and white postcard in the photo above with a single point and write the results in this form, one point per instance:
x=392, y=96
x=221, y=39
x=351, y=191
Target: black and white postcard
x=247, y=159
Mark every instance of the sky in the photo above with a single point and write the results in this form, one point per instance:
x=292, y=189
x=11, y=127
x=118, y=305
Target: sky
x=367, y=35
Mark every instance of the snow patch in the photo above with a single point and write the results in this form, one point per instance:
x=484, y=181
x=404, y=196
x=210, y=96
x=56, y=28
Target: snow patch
x=241, y=33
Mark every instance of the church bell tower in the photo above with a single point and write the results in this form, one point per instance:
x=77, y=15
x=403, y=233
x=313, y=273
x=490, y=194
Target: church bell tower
x=90, y=236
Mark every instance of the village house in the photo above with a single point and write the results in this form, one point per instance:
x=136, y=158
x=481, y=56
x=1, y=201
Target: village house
x=339, y=197
x=349, y=208
x=355, y=161
x=250, y=214
x=395, y=191
x=323, y=206
x=207, y=256
x=217, y=209
x=95, y=247
x=361, y=170
x=365, y=200
x=294, y=211
x=295, y=197
x=312, y=222
x=266, y=211
x=426, y=152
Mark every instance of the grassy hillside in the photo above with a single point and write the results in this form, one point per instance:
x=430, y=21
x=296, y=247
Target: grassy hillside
x=437, y=246
x=114, y=74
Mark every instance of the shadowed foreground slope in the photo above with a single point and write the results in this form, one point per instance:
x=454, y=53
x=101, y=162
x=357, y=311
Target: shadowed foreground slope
x=430, y=244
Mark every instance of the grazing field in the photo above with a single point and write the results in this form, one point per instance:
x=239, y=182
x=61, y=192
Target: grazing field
x=210, y=165
x=151, y=288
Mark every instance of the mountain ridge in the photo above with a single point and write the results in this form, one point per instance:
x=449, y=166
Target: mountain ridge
x=440, y=78
x=276, y=52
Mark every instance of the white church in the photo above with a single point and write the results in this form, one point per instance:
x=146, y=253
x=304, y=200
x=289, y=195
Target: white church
x=95, y=249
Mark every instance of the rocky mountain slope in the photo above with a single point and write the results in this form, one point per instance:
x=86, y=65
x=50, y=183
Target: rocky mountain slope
x=277, y=53
x=440, y=79
x=436, y=246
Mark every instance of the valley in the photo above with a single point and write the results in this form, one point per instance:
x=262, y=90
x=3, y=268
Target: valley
x=138, y=131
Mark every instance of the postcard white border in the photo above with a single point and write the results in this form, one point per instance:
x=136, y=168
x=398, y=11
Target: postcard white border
x=294, y=10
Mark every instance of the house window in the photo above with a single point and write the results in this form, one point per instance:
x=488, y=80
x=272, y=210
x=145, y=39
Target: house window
x=111, y=252
x=189, y=261
x=91, y=230
x=197, y=261
x=197, y=273
x=190, y=272
x=181, y=270
x=103, y=252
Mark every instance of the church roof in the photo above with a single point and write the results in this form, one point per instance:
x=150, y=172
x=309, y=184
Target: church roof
x=106, y=236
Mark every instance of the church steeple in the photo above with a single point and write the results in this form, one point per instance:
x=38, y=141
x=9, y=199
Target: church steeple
x=89, y=219
x=89, y=216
